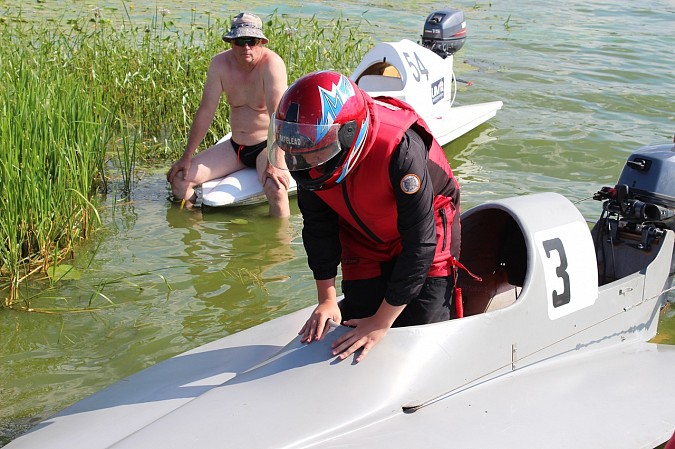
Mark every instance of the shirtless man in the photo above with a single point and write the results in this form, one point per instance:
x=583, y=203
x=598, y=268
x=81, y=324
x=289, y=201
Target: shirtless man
x=253, y=79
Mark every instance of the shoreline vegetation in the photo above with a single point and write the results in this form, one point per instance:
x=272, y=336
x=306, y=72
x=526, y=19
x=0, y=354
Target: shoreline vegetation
x=86, y=101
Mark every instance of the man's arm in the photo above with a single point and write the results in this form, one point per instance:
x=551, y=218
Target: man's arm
x=416, y=222
x=213, y=89
x=322, y=244
x=275, y=83
x=320, y=235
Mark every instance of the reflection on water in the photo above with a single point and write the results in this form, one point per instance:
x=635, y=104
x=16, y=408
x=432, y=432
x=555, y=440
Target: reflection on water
x=460, y=153
x=238, y=262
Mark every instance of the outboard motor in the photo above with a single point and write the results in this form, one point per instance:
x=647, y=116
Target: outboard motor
x=645, y=194
x=444, y=32
x=639, y=209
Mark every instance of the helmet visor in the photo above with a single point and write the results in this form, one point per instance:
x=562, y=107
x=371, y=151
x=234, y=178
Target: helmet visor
x=302, y=145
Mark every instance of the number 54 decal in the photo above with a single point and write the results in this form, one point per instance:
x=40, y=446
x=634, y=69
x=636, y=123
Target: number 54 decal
x=417, y=66
x=569, y=268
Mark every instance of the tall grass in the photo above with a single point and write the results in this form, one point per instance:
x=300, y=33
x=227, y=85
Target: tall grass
x=53, y=140
x=84, y=101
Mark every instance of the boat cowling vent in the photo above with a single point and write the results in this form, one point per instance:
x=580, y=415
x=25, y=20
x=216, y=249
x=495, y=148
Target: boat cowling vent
x=444, y=32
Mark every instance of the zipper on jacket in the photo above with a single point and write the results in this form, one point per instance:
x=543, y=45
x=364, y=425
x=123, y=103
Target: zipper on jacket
x=444, y=220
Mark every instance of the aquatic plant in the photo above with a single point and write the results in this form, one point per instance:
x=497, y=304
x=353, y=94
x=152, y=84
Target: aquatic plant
x=87, y=99
x=53, y=139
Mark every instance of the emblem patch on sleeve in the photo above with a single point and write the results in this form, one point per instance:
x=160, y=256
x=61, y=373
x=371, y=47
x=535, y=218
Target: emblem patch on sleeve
x=410, y=184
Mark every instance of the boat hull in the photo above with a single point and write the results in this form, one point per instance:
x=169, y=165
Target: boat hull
x=522, y=373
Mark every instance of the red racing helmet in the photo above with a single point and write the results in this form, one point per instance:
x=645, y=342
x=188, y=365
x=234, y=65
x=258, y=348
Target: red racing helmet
x=320, y=129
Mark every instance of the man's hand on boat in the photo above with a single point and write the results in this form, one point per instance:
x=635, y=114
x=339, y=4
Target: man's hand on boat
x=318, y=323
x=366, y=332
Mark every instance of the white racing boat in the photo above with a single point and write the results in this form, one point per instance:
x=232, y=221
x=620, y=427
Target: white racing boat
x=552, y=351
x=421, y=75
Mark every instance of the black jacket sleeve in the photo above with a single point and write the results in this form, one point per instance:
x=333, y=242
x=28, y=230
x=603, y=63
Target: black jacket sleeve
x=416, y=223
x=320, y=235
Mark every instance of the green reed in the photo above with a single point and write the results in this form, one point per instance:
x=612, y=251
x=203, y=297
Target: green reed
x=127, y=155
x=85, y=100
x=53, y=142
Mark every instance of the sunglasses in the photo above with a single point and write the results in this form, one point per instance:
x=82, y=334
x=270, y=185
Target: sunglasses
x=250, y=41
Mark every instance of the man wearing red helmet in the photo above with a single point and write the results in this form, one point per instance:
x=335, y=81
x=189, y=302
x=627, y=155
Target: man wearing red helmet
x=377, y=196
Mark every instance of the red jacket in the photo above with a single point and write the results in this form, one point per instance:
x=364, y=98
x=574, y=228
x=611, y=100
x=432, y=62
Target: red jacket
x=366, y=205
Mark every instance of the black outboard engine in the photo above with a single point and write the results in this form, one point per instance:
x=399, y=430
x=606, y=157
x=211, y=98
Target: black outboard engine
x=641, y=207
x=645, y=193
x=444, y=32
x=649, y=175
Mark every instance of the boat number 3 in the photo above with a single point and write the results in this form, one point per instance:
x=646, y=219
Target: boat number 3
x=417, y=66
x=559, y=299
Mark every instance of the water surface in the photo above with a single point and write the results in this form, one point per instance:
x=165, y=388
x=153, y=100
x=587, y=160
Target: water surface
x=584, y=83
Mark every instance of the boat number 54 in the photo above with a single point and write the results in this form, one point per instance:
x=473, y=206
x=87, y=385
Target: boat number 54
x=417, y=66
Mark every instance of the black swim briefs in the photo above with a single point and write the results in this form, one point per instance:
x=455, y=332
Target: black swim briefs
x=248, y=153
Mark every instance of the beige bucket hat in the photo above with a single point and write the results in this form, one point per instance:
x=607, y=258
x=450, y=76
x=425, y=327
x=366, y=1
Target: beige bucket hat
x=245, y=24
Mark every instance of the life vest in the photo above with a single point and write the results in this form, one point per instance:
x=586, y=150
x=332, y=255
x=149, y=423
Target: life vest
x=366, y=205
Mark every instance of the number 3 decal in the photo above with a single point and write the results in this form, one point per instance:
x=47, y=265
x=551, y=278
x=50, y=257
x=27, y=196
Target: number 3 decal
x=559, y=299
x=568, y=268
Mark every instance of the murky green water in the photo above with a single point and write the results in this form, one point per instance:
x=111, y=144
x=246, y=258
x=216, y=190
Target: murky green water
x=584, y=83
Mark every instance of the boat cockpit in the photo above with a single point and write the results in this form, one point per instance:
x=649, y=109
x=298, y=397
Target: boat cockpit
x=498, y=257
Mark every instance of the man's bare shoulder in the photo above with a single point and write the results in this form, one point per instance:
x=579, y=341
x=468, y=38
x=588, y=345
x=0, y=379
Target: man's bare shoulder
x=272, y=59
x=223, y=58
